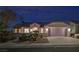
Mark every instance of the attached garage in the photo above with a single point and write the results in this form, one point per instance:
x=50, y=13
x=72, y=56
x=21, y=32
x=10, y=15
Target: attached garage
x=58, y=29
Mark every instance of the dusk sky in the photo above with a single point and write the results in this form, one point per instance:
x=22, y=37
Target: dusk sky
x=44, y=14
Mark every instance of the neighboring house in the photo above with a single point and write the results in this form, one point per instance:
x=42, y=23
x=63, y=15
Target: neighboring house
x=57, y=28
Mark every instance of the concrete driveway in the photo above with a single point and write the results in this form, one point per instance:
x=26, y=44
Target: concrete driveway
x=63, y=40
x=53, y=42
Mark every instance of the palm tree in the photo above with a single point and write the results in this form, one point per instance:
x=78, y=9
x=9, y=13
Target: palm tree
x=6, y=16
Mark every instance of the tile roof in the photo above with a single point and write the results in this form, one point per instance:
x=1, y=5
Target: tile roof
x=27, y=24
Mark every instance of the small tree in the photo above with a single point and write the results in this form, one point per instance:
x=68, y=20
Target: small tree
x=5, y=17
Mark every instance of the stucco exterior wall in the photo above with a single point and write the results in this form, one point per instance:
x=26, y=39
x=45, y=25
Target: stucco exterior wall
x=73, y=27
x=77, y=29
x=50, y=26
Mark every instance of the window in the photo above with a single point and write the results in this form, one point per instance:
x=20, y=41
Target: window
x=16, y=30
x=31, y=30
x=20, y=31
x=35, y=29
x=41, y=30
x=26, y=30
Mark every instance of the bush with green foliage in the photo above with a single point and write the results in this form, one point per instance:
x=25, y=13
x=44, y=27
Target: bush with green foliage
x=29, y=37
x=24, y=37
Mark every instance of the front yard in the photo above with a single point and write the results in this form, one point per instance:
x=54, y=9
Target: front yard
x=43, y=40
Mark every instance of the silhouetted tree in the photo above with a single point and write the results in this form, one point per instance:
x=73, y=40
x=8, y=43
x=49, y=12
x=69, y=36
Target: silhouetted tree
x=6, y=16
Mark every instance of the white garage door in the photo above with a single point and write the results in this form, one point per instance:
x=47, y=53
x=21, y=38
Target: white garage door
x=57, y=31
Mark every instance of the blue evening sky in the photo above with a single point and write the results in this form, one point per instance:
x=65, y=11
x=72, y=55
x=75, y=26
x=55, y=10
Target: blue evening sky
x=43, y=13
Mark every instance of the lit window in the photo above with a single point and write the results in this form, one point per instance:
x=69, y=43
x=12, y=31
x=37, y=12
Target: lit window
x=41, y=30
x=26, y=30
x=35, y=28
x=15, y=30
x=31, y=30
x=20, y=31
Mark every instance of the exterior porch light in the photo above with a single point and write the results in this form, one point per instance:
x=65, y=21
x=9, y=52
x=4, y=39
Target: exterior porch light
x=69, y=29
x=46, y=30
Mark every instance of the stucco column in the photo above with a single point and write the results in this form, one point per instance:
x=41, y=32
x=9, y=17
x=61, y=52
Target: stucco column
x=22, y=28
x=50, y=31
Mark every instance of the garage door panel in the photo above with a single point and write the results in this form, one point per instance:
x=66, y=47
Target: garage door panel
x=57, y=31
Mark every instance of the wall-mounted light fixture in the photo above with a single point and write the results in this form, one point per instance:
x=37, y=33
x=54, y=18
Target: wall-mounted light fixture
x=69, y=29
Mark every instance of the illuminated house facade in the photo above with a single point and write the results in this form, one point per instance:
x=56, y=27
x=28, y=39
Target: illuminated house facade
x=57, y=28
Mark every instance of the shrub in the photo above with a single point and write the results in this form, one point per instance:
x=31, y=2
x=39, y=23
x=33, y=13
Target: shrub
x=6, y=36
x=77, y=37
x=22, y=37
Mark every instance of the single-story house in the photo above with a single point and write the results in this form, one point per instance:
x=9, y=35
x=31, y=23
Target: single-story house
x=56, y=28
